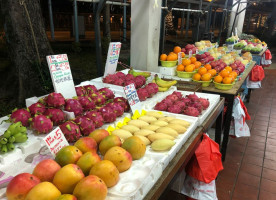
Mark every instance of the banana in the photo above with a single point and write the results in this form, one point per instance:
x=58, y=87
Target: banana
x=162, y=89
x=164, y=84
x=135, y=73
x=12, y=127
x=7, y=134
x=19, y=138
x=153, y=81
x=10, y=146
x=12, y=139
x=4, y=140
x=4, y=148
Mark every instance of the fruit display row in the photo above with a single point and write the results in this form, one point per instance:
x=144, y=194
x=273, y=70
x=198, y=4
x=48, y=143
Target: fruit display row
x=203, y=44
x=232, y=39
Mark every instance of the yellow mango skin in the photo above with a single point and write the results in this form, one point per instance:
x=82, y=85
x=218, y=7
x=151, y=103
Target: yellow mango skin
x=155, y=114
x=108, y=142
x=135, y=146
x=162, y=144
x=168, y=131
x=148, y=119
x=160, y=123
x=151, y=127
x=139, y=123
x=180, y=122
x=144, y=139
x=158, y=136
x=178, y=128
x=144, y=132
x=87, y=160
x=43, y=191
x=68, y=155
x=123, y=134
x=130, y=128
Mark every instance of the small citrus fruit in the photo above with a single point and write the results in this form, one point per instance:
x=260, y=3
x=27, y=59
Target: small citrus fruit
x=189, y=68
x=213, y=72
x=172, y=57
x=208, y=66
x=193, y=60
x=197, y=64
x=218, y=79
x=206, y=77
x=177, y=49
x=227, y=80
x=180, y=67
x=186, y=61
x=202, y=70
x=163, y=57
x=196, y=77
x=224, y=73
x=228, y=68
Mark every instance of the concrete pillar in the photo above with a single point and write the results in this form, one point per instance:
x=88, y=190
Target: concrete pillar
x=145, y=33
x=240, y=18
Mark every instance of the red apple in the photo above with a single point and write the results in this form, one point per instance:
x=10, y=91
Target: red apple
x=207, y=53
x=20, y=185
x=46, y=170
x=234, y=66
x=183, y=50
x=203, y=56
x=211, y=58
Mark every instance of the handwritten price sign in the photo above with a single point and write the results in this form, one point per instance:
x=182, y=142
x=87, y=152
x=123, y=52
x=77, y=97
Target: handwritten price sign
x=132, y=98
x=55, y=141
x=112, y=58
x=61, y=75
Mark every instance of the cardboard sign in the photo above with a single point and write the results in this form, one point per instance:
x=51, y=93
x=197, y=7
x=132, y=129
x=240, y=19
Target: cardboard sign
x=132, y=98
x=179, y=58
x=112, y=58
x=55, y=141
x=61, y=75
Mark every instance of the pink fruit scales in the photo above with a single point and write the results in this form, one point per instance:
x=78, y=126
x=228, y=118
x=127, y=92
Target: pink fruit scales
x=191, y=111
x=73, y=105
x=123, y=102
x=81, y=91
x=117, y=108
x=37, y=108
x=96, y=117
x=108, y=114
x=142, y=94
x=107, y=93
x=86, y=103
x=20, y=115
x=161, y=106
x=86, y=125
x=71, y=131
x=56, y=115
x=55, y=100
x=41, y=124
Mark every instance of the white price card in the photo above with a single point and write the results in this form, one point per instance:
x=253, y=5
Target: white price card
x=196, y=51
x=61, y=75
x=179, y=58
x=55, y=140
x=190, y=53
x=112, y=58
x=132, y=97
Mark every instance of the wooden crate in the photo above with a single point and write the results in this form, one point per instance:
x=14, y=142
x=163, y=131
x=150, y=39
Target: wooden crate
x=187, y=85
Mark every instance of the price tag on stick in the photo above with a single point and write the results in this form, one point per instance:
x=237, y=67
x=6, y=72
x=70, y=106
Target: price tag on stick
x=179, y=58
x=190, y=53
x=61, y=75
x=112, y=58
x=55, y=140
x=132, y=97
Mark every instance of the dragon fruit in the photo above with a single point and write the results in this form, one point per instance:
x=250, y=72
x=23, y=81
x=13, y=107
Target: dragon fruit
x=186, y=100
x=140, y=81
x=152, y=89
x=81, y=91
x=108, y=94
x=108, y=114
x=96, y=117
x=161, y=106
x=121, y=75
x=204, y=102
x=197, y=105
x=181, y=104
x=43, y=100
x=175, y=109
x=55, y=100
x=129, y=77
x=193, y=97
x=20, y=115
x=117, y=108
x=119, y=82
x=123, y=102
x=71, y=131
x=86, y=103
x=128, y=82
x=172, y=97
x=41, y=124
x=142, y=94
x=98, y=99
x=191, y=111
x=37, y=108
x=90, y=87
x=86, y=125
x=178, y=94
x=168, y=102
x=110, y=78
x=56, y=115
x=73, y=105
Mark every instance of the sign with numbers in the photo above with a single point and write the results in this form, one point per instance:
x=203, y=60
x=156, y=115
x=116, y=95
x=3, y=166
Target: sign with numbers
x=112, y=58
x=55, y=141
x=61, y=75
x=132, y=98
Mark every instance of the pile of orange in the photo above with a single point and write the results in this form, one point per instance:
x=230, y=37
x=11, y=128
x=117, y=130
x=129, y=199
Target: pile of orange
x=189, y=65
x=172, y=56
x=226, y=76
x=204, y=73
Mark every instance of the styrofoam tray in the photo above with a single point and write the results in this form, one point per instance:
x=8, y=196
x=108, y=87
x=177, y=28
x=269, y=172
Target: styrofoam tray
x=213, y=99
x=176, y=78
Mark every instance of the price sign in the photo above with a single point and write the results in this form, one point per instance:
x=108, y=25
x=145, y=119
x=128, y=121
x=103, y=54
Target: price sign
x=55, y=141
x=132, y=98
x=61, y=75
x=196, y=51
x=190, y=53
x=112, y=58
x=180, y=58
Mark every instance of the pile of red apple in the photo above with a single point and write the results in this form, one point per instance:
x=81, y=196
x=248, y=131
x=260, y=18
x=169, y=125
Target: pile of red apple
x=238, y=67
x=218, y=65
x=188, y=48
x=204, y=58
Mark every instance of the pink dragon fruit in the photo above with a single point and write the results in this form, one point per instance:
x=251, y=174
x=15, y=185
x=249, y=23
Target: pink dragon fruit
x=178, y=94
x=128, y=82
x=81, y=91
x=161, y=106
x=108, y=114
x=108, y=94
x=175, y=109
x=191, y=111
x=41, y=124
x=152, y=89
x=172, y=97
x=142, y=94
x=204, y=102
x=43, y=100
x=193, y=97
x=110, y=78
x=168, y=102
x=55, y=100
x=117, y=108
x=56, y=115
x=185, y=100
x=96, y=117
x=119, y=82
x=86, y=125
x=196, y=105
x=71, y=131
x=123, y=102
x=129, y=77
x=86, y=103
x=140, y=81
x=73, y=105
x=121, y=75
x=37, y=108
x=20, y=115
x=90, y=89
x=181, y=104
x=98, y=99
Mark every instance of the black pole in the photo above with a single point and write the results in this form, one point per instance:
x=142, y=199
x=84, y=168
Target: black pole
x=197, y=33
x=98, y=37
x=209, y=18
x=222, y=20
x=162, y=27
x=187, y=21
x=235, y=19
x=214, y=20
x=249, y=20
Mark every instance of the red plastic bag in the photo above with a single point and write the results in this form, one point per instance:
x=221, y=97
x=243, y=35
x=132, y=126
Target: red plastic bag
x=206, y=163
x=268, y=55
x=257, y=73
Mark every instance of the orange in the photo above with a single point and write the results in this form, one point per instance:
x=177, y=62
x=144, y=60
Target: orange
x=180, y=67
x=172, y=52
x=172, y=57
x=228, y=68
x=234, y=73
x=193, y=60
x=186, y=61
x=163, y=57
x=197, y=64
x=227, y=80
x=202, y=70
x=224, y=73
x=213, y=72
x=196, y=77
x=193, y=66
x=177, y=49
x=189, y=68
x=232, y=77
x=182, y=54
x=218, y=79
x=208, y=66
x=206, y=77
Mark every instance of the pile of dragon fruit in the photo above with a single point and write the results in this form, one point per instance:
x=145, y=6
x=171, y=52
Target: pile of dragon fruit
x=190, y=105
x=122, y=79
x=92, y=108
x=148, y=91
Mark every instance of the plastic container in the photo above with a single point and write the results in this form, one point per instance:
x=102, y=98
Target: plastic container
x=170, y=71
x=168, y=63
x=204, y=83
x=185, y=74
x=221, y=86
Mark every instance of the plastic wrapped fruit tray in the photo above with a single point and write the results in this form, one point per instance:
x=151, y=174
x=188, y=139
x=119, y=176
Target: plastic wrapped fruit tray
x=213, y=99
